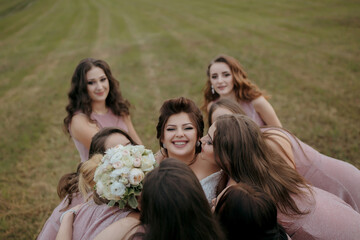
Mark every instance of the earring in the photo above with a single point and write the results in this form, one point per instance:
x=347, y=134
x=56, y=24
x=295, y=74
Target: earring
x=212, y=89
x=163, y=146
x=198, y=143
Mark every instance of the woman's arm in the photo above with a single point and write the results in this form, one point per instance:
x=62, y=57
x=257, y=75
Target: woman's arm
x=82, y=129
x=121, y=229
x=66, y=226
x=266, y=111
x=280, y=144
x=131, y=128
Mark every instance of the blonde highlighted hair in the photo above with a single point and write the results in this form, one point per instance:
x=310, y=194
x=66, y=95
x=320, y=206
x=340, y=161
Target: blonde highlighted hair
x=86, y=176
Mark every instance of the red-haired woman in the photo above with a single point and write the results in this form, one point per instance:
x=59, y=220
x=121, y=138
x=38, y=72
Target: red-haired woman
x=227, y=79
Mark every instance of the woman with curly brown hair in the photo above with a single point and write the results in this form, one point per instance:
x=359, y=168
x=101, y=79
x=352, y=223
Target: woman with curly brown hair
x=95, y=102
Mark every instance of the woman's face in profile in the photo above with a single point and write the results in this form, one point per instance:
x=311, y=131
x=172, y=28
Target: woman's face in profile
x=207, y=149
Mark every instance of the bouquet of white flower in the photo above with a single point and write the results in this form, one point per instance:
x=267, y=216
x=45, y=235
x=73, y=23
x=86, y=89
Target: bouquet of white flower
x=119, y=176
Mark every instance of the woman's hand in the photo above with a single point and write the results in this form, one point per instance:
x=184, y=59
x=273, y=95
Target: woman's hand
x=66, y=220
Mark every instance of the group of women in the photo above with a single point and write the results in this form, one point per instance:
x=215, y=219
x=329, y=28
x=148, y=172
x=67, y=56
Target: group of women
x=260, y=180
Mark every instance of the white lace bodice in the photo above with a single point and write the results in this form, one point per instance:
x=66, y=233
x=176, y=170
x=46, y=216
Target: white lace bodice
x=209, y=185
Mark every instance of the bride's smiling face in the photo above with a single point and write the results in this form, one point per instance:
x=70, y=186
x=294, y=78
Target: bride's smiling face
x=180, y=136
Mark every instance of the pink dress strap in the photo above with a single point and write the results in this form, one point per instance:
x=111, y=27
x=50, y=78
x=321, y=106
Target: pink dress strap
x=250, y=111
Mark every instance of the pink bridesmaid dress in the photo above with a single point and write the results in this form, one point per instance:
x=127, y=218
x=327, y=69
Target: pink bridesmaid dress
x=51, y=227
x=329, y=218
x=335, y=176
x=108, y=119
x=91, y=219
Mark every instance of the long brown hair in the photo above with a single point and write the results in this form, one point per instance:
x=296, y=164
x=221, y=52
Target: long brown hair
x=176, y=106
x=266, y=131
x=240, y=150
x=79, y=99
x=174, y=205
x=244, y=89
x=249, y=211
x=68, y=183
x=224, y=103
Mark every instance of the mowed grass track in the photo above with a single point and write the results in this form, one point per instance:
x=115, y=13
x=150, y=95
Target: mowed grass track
x=306, y=55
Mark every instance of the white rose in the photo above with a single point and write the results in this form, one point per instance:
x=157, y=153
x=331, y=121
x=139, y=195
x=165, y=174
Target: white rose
x=124, y=171
x=148, y=163
x=137, y=150
x=116, y=157
x=118, y=164
x=117, y=189
x=136, y=176
x=137, y=162
x=100, y=188
x=127, y=161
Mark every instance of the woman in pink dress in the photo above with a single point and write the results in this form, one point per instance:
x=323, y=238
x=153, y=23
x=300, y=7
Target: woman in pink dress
x=227, y=79
x=95, y=102
x=335, y=176
x=68, y=189
x=236, y=143
x=173, y=206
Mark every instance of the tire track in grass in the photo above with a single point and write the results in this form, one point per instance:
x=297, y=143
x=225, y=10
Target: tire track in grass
x=147, y=86
x=26, y=167
x=102, y=35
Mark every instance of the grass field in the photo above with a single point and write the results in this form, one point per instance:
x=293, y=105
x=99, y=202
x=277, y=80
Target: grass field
x=305, y=54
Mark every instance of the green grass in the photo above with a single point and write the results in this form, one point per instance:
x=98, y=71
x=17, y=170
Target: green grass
x=305, y=54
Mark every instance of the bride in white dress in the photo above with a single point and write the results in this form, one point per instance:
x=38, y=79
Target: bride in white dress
x=179, y=130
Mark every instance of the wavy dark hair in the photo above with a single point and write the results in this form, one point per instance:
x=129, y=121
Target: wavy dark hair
x=240, y=150
x=247, y=211
x=79, y=99
x=170, y=210
x=68, y=183
x=175, y=106
x=244, y=89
